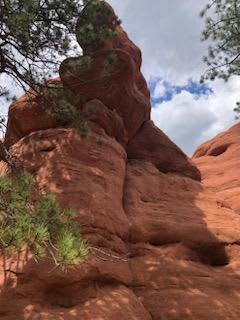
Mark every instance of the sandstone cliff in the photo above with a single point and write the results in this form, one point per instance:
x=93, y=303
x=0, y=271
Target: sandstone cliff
x=138, y=197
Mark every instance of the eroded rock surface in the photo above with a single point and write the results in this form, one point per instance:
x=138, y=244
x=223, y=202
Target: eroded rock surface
x=152, y=145
x=172, y=242
x=26, y=115
x=219, y=161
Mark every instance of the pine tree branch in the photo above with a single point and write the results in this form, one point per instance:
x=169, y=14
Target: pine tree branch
x=6, y=157
x=2, y=61
x=110, y=255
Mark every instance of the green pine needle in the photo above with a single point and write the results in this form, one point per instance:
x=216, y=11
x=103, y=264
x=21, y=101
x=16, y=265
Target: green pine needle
x=40, y=225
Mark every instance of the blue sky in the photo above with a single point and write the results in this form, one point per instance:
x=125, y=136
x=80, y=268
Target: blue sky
x=169, y=90
x=168, y=34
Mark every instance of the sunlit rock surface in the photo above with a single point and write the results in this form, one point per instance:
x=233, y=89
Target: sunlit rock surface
x=172, y=241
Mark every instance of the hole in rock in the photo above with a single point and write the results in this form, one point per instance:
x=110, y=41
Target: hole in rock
x=62, y=297
x=47, y=149
x=218, y=150
x=165, y=167
x=214, y=255
x=69, y=294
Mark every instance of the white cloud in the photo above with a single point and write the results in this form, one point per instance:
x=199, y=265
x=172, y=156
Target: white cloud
x=7, y=82
x=189, y=122
x=168, y=33
x=159, y=90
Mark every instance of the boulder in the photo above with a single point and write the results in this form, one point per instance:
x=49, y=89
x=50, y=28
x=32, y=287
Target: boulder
x=26, y=115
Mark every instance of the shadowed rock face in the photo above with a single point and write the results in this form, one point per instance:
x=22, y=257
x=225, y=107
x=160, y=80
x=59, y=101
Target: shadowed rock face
x=138, y=197
x=152, y=145
x=122, y=87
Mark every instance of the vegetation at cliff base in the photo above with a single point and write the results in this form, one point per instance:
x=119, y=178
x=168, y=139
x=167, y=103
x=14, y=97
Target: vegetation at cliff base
x=40, y=226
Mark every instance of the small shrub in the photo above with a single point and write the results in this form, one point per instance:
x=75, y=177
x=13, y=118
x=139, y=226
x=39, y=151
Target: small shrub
x=99, y=142
x=41, y=226
x=57, y=105
x=82, y=128
x=80, y=64
x=109, y=64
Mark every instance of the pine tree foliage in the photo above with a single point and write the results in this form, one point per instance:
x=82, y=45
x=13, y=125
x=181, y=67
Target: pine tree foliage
x=109, y=64
x=2, y=123
x=60, y=104
x=97, y=22
x=237, y=110
x=40, y=226
x=35, y=35
x=222, y=29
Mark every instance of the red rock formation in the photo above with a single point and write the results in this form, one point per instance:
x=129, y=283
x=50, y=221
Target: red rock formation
x=25, y=116
x=172, y=243
x=123, y=87
x=82, y=174
x=116, y=89
x=107, y=119
x=219, y=161
x=165, y=209
x=120, y=41
x=152, y=145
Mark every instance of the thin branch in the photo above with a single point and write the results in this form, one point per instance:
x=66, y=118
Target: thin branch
x=124, y=257
x=52, y=255
x=222, y=65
